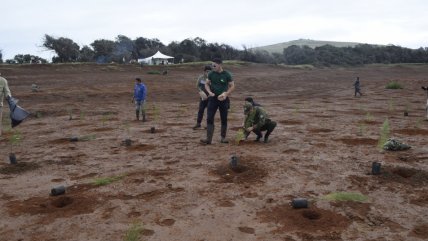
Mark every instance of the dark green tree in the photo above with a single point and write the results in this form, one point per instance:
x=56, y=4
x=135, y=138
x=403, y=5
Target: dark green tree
x=103, y=50
x=66, y=49
x=86, y=54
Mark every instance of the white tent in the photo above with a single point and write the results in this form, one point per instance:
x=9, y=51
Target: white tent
x=157, y=59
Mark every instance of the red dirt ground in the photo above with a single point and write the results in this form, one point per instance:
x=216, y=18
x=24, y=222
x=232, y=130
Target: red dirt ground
x=178, y=189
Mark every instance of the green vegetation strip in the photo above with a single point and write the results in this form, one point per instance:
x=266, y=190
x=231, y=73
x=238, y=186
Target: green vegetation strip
x=107, y=180
x=346, y=196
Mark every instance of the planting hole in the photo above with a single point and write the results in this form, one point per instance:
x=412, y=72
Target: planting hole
x=62, y=202
x=311, y=215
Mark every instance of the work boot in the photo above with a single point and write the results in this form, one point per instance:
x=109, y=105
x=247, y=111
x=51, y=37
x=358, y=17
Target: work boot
x=270, y=128
x=210, y=133
x=223, y=134
x=137, y=114
x=259, y=135
x=197, y=126
x=144, y=116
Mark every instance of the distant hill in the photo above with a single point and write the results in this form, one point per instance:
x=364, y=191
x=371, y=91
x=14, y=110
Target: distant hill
x=278, y=48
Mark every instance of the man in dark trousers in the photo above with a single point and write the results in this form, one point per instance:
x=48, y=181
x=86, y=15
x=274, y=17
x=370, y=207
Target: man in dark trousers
x=219, y=86
x=357, y=87
x=140, y=93
x=256, y=120
x=203, y=102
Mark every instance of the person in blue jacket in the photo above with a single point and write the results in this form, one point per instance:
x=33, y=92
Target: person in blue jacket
x=140, y=92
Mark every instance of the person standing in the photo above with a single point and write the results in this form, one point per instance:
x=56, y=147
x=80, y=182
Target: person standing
x=200, y=84
x=4, y=93
x=219, y=86
x=257, y=120
x=140, y=93
x=357, y=87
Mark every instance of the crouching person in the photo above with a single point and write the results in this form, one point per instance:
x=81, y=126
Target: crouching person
x=256, y=120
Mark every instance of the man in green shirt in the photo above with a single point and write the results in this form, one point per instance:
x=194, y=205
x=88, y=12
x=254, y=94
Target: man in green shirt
x=4, y=93
x=219, y=86
x=257, y=120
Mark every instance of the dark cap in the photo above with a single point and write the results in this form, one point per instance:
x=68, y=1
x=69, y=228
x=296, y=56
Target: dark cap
x=207, y=67
x=247, y=107
x=138, y=79
x=217, y=61
x=249, y=99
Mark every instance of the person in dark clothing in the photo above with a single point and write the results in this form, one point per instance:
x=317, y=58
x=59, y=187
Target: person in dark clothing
x=200, y=84
x=219, y=86
x=357, y=87
x=256, y=120
x=140, y=92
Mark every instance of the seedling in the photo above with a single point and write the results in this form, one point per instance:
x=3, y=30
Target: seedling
x=38, y=114
x=14, y=140
x=70, y=113
x=369, y=117
x=240, y=136
x=361, y=129
x=82, y=115
x=105, y=118
x=384, y=134
x=134, y=232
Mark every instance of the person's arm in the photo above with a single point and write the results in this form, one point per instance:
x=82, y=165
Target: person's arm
x=207, y=87
x=6, y=89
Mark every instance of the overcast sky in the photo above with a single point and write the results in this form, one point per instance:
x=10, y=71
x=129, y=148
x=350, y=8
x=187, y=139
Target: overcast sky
x=252, y=23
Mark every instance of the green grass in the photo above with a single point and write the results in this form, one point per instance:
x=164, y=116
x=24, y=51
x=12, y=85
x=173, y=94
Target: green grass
x=106, y=180
x=384, y=134
x=393, y=85
x=346, y=196
x=134, y=232
x=153, y=72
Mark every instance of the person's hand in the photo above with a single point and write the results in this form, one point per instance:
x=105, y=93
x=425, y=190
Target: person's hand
x=222, y=96
x=211, y=94
x=250, y=129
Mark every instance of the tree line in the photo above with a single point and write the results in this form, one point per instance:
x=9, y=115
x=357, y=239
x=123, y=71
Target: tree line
x=125, y=50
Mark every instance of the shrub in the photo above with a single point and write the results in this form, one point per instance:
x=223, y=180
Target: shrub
x=393, y=85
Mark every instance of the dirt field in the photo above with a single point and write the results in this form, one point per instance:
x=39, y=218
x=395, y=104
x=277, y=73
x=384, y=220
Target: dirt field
x=178, y=189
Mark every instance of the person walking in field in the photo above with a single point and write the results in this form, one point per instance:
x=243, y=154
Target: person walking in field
x=203, y=102
x=140, y=92
x=357, y=87
x=219, y=86
x=4, y=93
x=257, y=120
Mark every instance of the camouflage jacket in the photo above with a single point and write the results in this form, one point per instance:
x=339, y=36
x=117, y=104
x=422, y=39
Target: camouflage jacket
x=256, y=118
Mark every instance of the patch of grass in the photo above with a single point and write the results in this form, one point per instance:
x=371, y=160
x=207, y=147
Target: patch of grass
x=153, y=72
x=106, y=180
x=134, y=232
x=393, y=85
x=346, y=196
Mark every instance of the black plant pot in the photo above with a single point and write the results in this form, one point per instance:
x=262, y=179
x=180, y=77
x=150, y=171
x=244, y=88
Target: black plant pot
x=128, y=142
x=376, y=168
x=57, y=190
x=12, y=158
x=152, y=130
x=233, y=162
x=299, y=203
x=406, y=113
x=74, y=139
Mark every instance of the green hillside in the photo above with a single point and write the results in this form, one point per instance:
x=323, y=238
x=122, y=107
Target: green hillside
x=277, y=48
